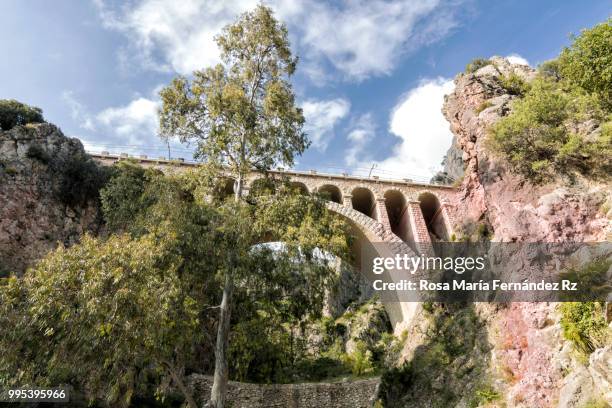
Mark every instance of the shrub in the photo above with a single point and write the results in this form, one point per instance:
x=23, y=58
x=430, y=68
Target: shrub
x=537, y=137
x=14, y=113
x=514, y=84
x=483, y=396
x=588, y=61
x=122, y=197
x=584, y=324
x=550, y=69
x=79, y=178
x=592, y=280
x=37, y=152
x=361, y=359
x=476, y=64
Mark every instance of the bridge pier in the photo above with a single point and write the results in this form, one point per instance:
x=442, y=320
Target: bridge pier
x=420, y=233
x=347, y=200
x=381, y=214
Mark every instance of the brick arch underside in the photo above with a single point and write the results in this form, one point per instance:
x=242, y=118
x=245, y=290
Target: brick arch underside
x=373, y=239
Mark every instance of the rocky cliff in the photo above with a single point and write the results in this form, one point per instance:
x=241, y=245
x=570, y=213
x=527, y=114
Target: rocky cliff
x=530, y=360
x=47, y=193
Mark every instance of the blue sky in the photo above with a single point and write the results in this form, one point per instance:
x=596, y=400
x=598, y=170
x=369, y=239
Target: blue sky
x=371, y=78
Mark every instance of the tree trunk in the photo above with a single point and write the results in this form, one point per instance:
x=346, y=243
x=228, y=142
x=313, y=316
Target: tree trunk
x=179, y=382
x=220, y=378
x=219, y=387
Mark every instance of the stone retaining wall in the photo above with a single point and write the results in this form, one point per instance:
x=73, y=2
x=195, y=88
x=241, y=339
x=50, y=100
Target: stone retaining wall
x=350, y=394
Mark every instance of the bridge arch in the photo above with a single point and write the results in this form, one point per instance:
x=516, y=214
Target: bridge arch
x=364, y=201
x=433, y=216
x=331, y=192
x=372, y=239
x=299, y=187
x=396, y=206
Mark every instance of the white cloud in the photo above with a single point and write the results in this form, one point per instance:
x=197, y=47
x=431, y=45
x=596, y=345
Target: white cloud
x=135, y=122
x=517, y=59
x=363, y=38
x=358, y=137
x=425, y=136
x=360, y=38
x=78, y=111
x=321, y=117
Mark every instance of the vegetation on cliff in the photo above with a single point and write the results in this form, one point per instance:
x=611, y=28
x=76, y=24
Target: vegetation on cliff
x=14, y=113
x=562, y=122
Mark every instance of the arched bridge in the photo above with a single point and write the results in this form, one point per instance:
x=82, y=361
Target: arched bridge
x=407, y=216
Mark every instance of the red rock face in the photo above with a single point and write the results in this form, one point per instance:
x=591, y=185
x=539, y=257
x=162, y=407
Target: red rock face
x=528, y=343
x=517, y=210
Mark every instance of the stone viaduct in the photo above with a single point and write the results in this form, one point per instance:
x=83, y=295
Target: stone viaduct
x=405, y=215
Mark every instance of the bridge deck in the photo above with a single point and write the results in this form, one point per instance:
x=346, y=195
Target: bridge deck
x=107, y=157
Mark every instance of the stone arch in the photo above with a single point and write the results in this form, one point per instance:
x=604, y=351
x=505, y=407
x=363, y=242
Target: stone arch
x=433, y=216
x=364, y=201
x=331, y=192
x=300, y=187
x=397, y=211
x=262, y=185
x=228, y=187
x=372, y=239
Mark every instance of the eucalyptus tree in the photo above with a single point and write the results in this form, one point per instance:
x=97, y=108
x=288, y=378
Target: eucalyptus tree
x=242, y=116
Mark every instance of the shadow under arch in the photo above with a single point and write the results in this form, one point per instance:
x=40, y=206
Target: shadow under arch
x=363, y=201
x=432, y=214
x=331, y=192
x=395, y=203
x=298, y=187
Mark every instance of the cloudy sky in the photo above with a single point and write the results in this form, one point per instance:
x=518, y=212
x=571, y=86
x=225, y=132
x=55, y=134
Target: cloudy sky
x=371, y=79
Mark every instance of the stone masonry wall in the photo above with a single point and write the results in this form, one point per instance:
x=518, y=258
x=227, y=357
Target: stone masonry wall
x=353, y=394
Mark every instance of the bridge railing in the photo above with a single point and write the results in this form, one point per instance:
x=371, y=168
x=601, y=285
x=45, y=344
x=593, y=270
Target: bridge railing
x=161, y=160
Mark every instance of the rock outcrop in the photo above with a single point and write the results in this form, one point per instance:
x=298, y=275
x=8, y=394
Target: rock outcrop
x=529, y=354
x=34, y=214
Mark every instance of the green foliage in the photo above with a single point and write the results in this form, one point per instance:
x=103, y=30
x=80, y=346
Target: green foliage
x=596, y=403
x=78, y=178
x=474, y=231
x=514, y=84
x=550, y=69
x=37, y=152
x=104, y=316
x=242, y=114
x=14, y=113
x=123, y=197
x=545, y=134
x=476, y=64
x=484, y=395
x=592, y=281
x=455, y=352
x=361, y=359
x=537, y=140
x=588, y=61
x=584, y=324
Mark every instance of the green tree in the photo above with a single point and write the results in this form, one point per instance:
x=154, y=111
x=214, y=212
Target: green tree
x=243, y=116
x=588, y=61
x=14, y=113
x=122, y=198
x=113, y=316
x=101, y=315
